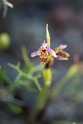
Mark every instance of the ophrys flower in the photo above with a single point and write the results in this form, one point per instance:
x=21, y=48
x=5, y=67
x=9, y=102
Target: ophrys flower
x=61, y=54
x=44, y=52
x=47, y=55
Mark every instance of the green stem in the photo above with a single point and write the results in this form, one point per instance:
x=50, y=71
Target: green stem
x=28, y=76
x=37, y=84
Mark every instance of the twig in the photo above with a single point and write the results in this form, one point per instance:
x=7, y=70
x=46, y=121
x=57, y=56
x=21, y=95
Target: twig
x=6, y=4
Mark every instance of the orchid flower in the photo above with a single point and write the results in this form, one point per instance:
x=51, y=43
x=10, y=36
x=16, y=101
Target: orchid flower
x=61, y=54
x=47, y=55
x=44, y=52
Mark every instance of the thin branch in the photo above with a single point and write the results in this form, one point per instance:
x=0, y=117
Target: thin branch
x=27, y=76
x=6, y=4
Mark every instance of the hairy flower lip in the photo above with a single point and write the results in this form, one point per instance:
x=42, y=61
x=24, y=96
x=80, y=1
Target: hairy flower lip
x=61, y=54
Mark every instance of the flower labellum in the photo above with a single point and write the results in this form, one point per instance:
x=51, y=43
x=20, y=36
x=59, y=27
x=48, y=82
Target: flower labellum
x=45, y=53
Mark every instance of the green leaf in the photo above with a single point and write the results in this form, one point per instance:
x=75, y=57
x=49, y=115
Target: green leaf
x=28, y=63
x=4, y=76
x=72, y=71
x=47, y=35
x=14, y=108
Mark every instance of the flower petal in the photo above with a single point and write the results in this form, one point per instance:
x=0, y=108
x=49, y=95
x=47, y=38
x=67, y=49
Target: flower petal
x=62, y=46
x=52, y=52
x=62, y=58
x=36, y=53
x=44, y=44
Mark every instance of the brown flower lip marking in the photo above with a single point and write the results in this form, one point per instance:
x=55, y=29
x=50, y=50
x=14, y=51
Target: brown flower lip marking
x=44, y=52
x=61, y=54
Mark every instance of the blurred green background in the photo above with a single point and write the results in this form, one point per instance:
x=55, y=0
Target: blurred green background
x=24, y=26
